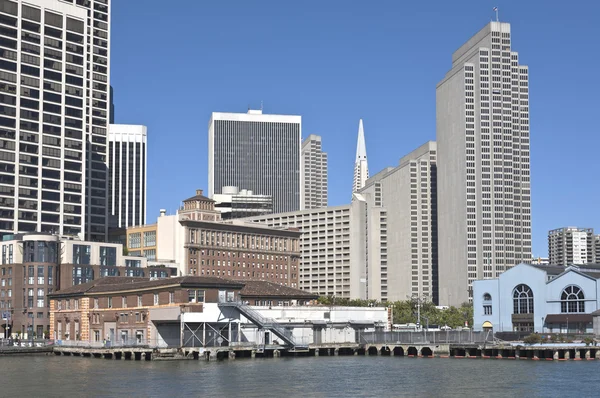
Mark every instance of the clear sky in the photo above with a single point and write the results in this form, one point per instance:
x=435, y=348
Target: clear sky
x=336, y=61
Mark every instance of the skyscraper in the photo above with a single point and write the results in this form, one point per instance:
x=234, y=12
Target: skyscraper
x=54, y=116
x=314, y=173
x=258, y=152
x=484, y=192
x=127, y=160
x=361, y=167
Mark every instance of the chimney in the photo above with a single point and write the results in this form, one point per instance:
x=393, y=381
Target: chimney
x=198, y=192
x=163, y=212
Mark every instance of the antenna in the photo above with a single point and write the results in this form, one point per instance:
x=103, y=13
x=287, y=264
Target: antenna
x=261, y=105
x=496, y=11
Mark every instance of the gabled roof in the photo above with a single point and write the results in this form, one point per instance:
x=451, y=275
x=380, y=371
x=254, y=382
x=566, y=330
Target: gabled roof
x=575, y=270
x=128, y=284
x=258, y=288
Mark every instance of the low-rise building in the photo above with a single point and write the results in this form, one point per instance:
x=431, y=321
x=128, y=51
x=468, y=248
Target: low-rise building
x=35, y=265
x=538, y=298
x=196, y=311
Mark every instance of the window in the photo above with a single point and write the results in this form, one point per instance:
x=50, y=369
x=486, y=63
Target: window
x=487, y=297
x=96, y=303
x=81, y=254
x=487, y=310
x=110, y=302
x=196, y=296
x=108, y=256
x=572, y=300
x=124, y=302
x=139, y=301
x=522, y=300
x=156, y=301
x=171, y=297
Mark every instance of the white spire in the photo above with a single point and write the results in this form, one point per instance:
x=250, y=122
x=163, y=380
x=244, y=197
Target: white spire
x=361, y=167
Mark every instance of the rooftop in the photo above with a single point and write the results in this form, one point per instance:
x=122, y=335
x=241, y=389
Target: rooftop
x=258, y=288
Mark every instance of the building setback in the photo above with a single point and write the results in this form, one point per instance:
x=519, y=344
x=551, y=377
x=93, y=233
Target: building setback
x=234, y=203
x=127, y=161
x=258, y=152
x=314, y=173
x=403, y=259
x=54, y=117
x=484, y=191
x=571, y=245
x=333, y=248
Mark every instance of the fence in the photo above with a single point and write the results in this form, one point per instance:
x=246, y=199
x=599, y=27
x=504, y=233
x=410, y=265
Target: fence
x=25, y=343
x=425, y=337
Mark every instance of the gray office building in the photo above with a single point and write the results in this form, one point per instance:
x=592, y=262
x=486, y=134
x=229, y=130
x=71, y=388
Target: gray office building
x=484, y=192
x=54, y=73
x=258, y=152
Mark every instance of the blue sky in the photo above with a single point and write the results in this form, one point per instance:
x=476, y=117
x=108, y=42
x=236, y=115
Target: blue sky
x=334, y=62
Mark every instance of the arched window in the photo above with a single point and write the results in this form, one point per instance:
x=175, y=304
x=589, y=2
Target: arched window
x=487, y=304
x=522, y=300
x=572, y=300
x=487, y=297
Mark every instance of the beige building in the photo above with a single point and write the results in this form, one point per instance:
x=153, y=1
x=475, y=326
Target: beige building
x=404, y=256
x=332, y=258
x=314, y=173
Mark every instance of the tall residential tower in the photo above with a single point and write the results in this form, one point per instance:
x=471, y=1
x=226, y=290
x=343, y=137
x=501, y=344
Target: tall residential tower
x=127, y=158
x=484, y=192
x=54, y=116
x=361, y=167
x=571, y=245
x=314, y=173
x=257, y=152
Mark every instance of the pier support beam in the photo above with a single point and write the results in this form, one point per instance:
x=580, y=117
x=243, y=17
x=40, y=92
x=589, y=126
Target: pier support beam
x=587, y=354
x=577, y=354
x=231, y=355
x=597, y=354
x=253, y=354
x=276, y=354
x=536, y=354
x=555, y=355
x=567, y=354
x=316, y=352
x=336, y=352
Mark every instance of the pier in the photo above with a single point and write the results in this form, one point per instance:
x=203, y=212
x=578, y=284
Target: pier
x=457, y=351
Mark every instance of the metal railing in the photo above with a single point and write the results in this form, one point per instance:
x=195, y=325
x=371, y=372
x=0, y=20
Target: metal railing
x=11, y=342
x=427, y=337
x=121, y=343
x=263, y=322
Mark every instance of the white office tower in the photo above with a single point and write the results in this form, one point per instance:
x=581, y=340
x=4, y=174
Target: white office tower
x=54, y=75
x=257, y=152
x=127, y=164
x=361, y=167
x=484, y=192
x=314, y=173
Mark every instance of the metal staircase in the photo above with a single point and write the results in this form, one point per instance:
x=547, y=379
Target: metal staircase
x=265, y=323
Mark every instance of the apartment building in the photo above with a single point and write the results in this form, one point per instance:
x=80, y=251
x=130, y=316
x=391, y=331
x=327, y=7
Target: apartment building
x=314, y=173
x=54, y=116
x=571, y=245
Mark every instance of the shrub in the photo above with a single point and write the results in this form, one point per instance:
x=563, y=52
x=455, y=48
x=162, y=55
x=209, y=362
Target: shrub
x=588, y=340
x=533, y=338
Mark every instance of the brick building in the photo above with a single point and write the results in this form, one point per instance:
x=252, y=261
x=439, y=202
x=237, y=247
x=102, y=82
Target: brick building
x=35, y=265
x=242, y=251
x=133, y=311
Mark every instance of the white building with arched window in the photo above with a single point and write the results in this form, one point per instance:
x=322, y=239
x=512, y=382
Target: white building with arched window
x=538, y=298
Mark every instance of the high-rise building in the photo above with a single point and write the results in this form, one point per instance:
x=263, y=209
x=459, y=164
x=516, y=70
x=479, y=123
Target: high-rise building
x=258, y=152
x=361, y=166
x=571, y=245
x=127, y=160
x=314, y=173
x=333, y=247
x=597, y=249
x=54, y=116
x=403, y=260
x=484, y=192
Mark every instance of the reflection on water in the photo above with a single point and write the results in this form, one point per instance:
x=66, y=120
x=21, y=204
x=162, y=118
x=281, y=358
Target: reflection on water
x=51, y=376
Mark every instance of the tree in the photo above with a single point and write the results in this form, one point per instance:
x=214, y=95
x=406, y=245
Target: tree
x=125, y=250
x=533, y=338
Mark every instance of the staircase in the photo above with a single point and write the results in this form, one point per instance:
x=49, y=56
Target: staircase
x=265, y=323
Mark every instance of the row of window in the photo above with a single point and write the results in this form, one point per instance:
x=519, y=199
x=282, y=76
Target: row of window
x=572, y=300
